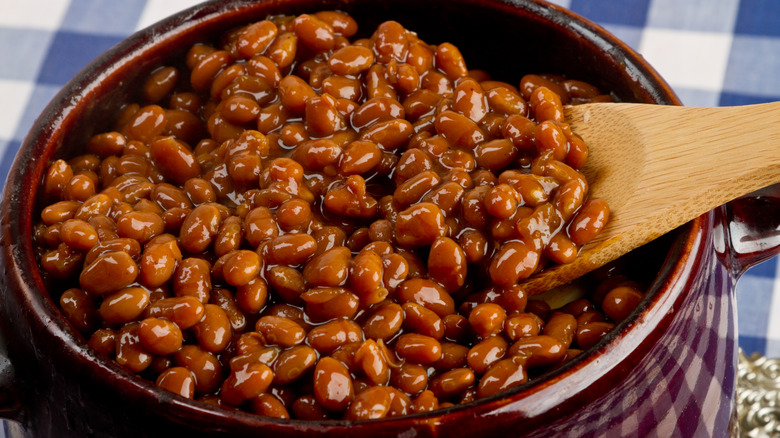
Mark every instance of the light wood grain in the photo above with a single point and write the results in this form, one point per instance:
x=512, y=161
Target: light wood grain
x=659, y=167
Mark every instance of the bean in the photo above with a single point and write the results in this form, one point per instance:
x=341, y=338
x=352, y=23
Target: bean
x=158, y=263
x=129, y=353
x=313, y=32
x=330, y=268
x=246, y=382
x=371, y=360
x=259, y=226
x=294, y=92
x=242, y=267
x=359, y=157
x=327, y=337
x=620, y=302
x=106, y=144
x=80, y=309
x=184, y=311
x=178, y=380
x=306, y=407
x=469, y=99
x=546, y=105
x=377, y=109
x=291, y=249
x=79, y=188
x=453, y=382
x=366, y=276
x=495, y=154
x=147, y=123
x=413, y=189
x=62, y=262
x=523, y=325
x=322, y=116
x=371, y=403
x=293, y=363
x=125, y=305
x=390, y=41
x=280, y=331
x=129, y=246
x=514, y=261
x=504, y=374
x=214, y=330
x=97, y=205
x=447, y=264
x=203, y=364
x=199, y=228
x=589, y=221
x=108, y=273
x=425, y=402
x=419, y=349
x=140, y=226
x=540, y=350
x=396, y=269
x=548, y=136
x=450, y=60
x=287, y=282
x=427, y=294
x=225, y=300
x=384, y=323
x=256, y=38
x=341, y=23
x=192, y=279
x=268, y=405
x=487, y=319
x=455, y=327
x=419, y=225
x=561, y=249
x=561, y=326
x=529, y=84
x=459, y=129
x=78, y=234
x=207, y=67
x=159, y=336
x=420, y=320
x=252, y=296
x=350, y=60
x=590, y=334
x=103, y=341
x=484, y=354
x=452, y=356
x=389, y=134
x=326, y=303
x=333, y=388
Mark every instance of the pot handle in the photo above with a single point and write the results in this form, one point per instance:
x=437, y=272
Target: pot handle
x=10, y=402
x=752, y=228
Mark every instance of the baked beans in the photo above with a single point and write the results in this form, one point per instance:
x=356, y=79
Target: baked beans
x=300, y=225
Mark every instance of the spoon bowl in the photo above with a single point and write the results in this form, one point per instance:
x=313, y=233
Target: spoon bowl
x=659, y=167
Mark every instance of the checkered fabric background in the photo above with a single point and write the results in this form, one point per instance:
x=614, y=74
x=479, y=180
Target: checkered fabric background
x=712, y=52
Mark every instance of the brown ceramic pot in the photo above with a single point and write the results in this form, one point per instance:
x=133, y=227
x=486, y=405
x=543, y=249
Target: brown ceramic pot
x=669, y=370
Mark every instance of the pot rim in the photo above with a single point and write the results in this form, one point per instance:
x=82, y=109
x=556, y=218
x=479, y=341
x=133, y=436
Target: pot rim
x=20, y=195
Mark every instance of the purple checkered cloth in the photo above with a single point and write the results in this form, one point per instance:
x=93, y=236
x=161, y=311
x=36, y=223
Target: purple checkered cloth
x=712, y=52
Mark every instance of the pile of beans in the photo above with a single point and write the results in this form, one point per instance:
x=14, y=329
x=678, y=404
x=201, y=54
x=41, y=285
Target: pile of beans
x=299, y=225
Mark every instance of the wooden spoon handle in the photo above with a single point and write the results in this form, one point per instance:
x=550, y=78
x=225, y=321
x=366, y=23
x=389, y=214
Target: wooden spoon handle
x=690, y=159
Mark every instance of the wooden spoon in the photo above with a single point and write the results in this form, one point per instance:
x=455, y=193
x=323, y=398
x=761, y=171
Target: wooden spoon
x=659, y=167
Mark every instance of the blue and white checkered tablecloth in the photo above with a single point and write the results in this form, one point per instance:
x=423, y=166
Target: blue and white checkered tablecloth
x=712, y=52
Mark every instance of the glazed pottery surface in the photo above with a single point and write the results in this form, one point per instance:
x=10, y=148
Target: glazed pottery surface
x=670, y=371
